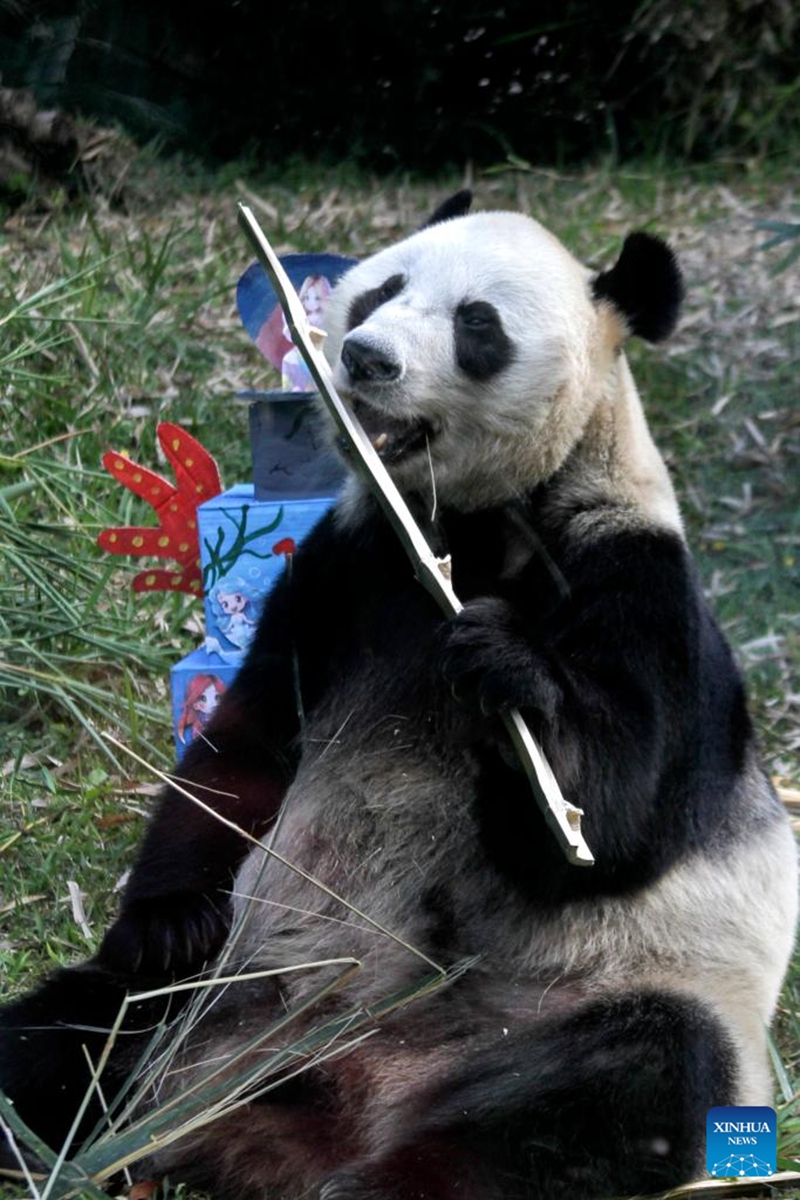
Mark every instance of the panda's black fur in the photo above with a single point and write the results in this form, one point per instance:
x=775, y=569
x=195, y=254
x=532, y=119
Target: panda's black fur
x=607, y=1008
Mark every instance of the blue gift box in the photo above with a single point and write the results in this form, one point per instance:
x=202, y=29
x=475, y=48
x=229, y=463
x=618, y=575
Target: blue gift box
x=244, y=544
x=198, y=682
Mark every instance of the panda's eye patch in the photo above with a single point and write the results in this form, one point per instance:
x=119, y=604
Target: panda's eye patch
x=483, y=348
x=365, y=305
x=477, y=315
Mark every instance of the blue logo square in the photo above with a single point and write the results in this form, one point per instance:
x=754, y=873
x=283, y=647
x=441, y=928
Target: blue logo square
x=741, y=1141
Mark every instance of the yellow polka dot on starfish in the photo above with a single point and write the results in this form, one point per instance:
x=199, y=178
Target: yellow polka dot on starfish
x=163, y=541
x=183, y=547
x=149, y=580
x=176, y=445
x=137, y=542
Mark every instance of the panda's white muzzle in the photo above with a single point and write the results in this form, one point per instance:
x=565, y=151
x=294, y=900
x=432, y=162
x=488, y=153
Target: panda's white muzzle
x=366, y=374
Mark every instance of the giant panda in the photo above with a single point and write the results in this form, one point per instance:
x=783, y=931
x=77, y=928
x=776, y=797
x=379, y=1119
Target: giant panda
x=596, y=1013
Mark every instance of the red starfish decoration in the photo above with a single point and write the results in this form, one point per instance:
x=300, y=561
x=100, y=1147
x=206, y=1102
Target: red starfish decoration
x=176, y=536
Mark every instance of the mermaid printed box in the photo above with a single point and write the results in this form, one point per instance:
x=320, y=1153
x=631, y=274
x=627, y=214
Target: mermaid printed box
x=198, y=682
x=244, y=544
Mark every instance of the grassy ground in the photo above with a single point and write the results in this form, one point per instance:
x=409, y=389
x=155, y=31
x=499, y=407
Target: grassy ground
x=117, y=315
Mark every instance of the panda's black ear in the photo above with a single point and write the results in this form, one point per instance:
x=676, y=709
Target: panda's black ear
x=645, y=286
x=456, y=206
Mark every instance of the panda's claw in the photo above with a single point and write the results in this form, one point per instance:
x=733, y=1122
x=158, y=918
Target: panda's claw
x=165, y=936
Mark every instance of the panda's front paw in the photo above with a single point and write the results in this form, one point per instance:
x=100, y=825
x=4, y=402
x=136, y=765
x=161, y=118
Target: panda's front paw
x=489, y=664
x=169, y=936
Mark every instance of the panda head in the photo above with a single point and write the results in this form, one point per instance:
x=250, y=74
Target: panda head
x=475, y=351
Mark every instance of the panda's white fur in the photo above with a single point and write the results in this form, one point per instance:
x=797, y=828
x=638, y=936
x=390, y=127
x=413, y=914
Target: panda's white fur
x=604, y=1009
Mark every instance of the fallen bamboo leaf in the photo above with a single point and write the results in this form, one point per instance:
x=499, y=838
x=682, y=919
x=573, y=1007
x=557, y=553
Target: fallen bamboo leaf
x=78, y=911
x=21, y=903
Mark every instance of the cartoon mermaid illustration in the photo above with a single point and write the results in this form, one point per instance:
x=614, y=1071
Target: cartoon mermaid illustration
x=202, y=696
x=313, y=295
x=235, y=606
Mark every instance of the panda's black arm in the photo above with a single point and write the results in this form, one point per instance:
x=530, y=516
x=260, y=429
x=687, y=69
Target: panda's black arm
x=175, y=910
x=658, y=710
x=614, y=677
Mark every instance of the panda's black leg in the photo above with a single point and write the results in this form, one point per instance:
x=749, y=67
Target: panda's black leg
x=609, y=1100
x=48, y=1039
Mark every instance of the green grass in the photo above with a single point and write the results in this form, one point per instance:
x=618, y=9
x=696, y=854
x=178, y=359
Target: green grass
x=116, y=318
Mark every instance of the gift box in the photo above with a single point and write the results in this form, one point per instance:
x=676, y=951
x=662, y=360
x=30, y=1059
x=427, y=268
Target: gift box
x=198, y=683
x=292, y=456
x=244, y=544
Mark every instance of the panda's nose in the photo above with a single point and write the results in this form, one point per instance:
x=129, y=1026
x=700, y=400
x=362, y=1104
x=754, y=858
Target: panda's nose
x=364, y=362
